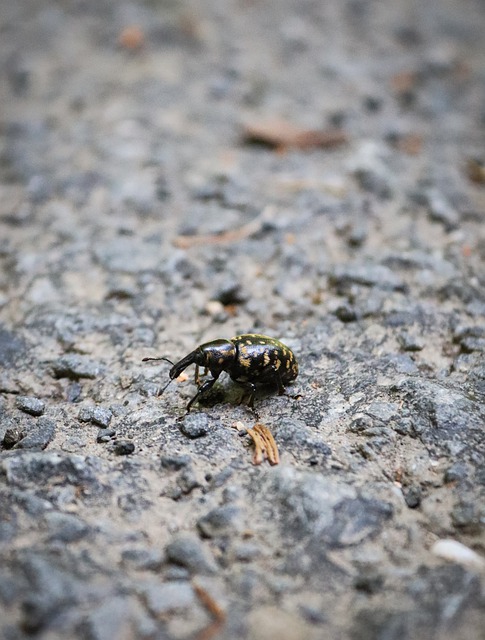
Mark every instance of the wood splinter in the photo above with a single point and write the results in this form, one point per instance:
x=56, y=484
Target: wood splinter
x=264, y=445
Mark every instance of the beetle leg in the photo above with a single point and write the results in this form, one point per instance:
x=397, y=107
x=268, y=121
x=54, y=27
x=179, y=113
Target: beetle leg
x=250, y=390
x=198, y=375
x=279, y=383
x=208, y=384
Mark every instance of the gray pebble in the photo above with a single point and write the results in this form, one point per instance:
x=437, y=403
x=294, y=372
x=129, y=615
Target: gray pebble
x=466, y=517
x=174, y=462
x=31, y=405
x=369, y=581
x=169, y=596
x=75, y=367
x=11, y=436
x=142, y=558
x=74, y=443
x=371, y=275
x=463, y=331
x=105, y=435
x=246, y=551
x=409, y=342
x=440, y=210
x=187, y=550
x=176, y=573
x=65, y=527
x=222, y=521
x=39, y=436
x=123, y=447
x=346, y=313
x=195, y=425
x=412, y=496
x=458, y=471
x=99, y=416
x=469, y=345
x=383, y=411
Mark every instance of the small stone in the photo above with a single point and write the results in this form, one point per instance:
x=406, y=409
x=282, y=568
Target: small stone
x=222, y=521
x=75, y=367
x=175, y=463
x=230, y=293
x=458, y=471
x=361, y=423
x=66, y=527
x=28, y=404
x=85, y=414
x=123, y=447
x=101, y=417
x=39, y=436
x=187, y=550
x=195, y=425
x=246, y=551
x=142, y=558
x=369, y=581
x=74, y=443
x=11, y=437
x=357, y=235
x=370, y=275
x=463, y=331
x=409, y=342
x=412, y=496
x=170, y=596
x=105, y=435
x=465, y=516
x=383, y=411
x=346, y=313
x=440, y=210
x=469, y=345
x=405, y=427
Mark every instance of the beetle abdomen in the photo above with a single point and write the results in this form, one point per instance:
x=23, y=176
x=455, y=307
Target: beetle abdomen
x=260, y=357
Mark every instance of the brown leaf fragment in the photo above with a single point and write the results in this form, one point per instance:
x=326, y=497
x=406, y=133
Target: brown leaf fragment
x=411, y=144
x=404, y=82
x=264, y=445
x=476, y=170
x=281, y=134
x=227, y=237
x=131, y=38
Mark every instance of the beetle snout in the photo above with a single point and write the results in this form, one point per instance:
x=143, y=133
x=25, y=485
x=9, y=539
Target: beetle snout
x=181, y=365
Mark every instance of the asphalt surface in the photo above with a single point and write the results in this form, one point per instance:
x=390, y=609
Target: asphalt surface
x=139, y=218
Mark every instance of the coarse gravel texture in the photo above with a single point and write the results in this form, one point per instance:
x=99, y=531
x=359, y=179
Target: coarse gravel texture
x=120, y=517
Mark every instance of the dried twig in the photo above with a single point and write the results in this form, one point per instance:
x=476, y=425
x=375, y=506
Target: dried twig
x=281, y=134
x=233, y=235
x=213, y=608
x=264, y=445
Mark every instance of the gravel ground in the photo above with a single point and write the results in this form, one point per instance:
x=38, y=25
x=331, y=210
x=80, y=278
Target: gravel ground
x=136, y=221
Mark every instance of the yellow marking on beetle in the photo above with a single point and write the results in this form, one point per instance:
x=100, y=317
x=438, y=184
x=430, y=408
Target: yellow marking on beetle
x=245, y=362
x=248, y=342
x=221, y=360
x=277, y=364
x=266, y=358
x=287, y=364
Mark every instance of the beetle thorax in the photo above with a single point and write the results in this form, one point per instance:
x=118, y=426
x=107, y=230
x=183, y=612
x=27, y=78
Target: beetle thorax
x=216, y=355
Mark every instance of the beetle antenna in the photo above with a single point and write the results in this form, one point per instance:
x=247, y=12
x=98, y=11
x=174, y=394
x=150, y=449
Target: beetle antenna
x=160, y=358
x=160, y=391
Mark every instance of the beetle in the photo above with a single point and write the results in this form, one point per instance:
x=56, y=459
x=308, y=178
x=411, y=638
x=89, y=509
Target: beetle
x=249, y=358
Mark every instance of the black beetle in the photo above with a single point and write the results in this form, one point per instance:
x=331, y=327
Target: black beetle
x=250, y=358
